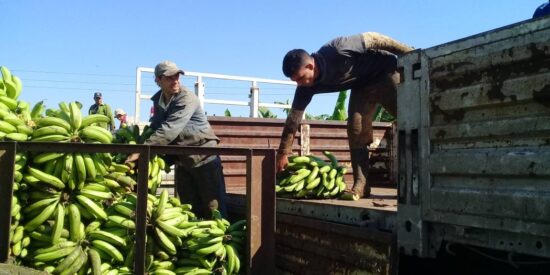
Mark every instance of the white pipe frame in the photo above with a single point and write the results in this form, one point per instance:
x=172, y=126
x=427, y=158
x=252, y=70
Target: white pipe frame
x=254, y=102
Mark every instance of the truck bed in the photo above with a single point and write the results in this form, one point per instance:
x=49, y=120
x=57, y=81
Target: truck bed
x=378, y=211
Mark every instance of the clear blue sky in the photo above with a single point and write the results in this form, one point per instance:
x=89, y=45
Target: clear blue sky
x=66, y=50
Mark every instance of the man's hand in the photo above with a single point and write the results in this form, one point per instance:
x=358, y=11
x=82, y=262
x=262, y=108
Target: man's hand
x=132, y=157
x=281, y=162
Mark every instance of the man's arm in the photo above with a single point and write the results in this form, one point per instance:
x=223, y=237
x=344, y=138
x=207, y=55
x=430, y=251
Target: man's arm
x=377, y=41
x=287, y=138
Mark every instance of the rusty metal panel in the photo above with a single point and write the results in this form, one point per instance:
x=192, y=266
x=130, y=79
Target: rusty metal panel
x=309, y=246
x=7, y=161
x=487, y=140
x=260, y=183
x=263, y=133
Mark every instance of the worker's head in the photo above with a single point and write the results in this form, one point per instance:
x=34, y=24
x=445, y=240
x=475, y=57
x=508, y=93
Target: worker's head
x=167, y=75
x=299, y=66
x=98, y=97
x=119, y=114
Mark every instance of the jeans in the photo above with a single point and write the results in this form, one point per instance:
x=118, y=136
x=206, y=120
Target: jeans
x=203, y=187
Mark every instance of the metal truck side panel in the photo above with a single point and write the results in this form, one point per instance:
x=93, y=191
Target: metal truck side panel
x=484, y=143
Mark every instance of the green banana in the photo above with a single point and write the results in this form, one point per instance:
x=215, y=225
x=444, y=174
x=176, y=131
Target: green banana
x=37, y=110
x=53, y=255
x=76, y=264
x=75, y=116
x=238, y=225
x=95, y=261
x=91, y=171
x=67, y=261
x=46, y=178
x=74, y=223
x=233, y=264
x=7, y=127
x=58, y=224
x=14, y=120
x=299, y=175
x=46, y=156
x=171, y=230
x=49, y=121
x=165, y=242
x=122, y=221
x=92, y=207
x=125, y=208
x=16, y=137
x=108, y=237
x=50, y=130
x=162, y=201
x=311, y=185
x=18, y=86
x=55, y=247
x=80, y=167
x=8, y=101
x=51, y=138
x=17, y=235
x=109, y=249
x=97, y=133
x=24, y=129
x=93, y=118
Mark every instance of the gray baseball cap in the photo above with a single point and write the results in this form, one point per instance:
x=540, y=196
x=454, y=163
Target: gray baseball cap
x=167, y=68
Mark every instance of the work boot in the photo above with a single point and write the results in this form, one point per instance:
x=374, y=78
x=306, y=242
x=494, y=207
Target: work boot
x=360, y=166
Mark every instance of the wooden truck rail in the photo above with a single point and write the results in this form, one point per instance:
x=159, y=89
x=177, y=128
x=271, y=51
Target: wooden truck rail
x=259, y=182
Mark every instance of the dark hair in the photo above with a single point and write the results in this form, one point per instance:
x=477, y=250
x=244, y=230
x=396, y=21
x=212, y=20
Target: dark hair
x=294, y=60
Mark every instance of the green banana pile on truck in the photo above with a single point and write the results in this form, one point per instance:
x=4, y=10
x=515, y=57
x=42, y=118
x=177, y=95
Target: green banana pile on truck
x=308, y=177
x=73, y=213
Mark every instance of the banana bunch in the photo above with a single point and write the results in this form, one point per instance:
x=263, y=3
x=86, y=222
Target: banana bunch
x=211, y=246
x=131, y=134
x=311, y=177
x=10, y=85
x=19, y=240
x=68, y=125
x=15, y=115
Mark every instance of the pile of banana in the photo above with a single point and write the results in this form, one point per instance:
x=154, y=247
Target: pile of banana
x=18, y=242
x=308, y=177
x=74, y=213
x=131, y=135
x=68, y=125
x=15, y=115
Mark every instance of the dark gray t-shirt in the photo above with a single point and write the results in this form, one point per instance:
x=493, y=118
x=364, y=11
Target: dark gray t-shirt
x=345, y=63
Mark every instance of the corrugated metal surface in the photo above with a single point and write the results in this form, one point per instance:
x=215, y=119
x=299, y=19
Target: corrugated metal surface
x=308, y=246
x=485, y=145
x=323, y=135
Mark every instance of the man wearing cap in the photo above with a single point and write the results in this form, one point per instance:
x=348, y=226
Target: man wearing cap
x=122, y=117
x=180, y=120
x=102, y=108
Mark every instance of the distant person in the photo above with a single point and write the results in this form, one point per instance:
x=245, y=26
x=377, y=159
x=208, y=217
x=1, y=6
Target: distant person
x=151, y=113
x=102, y=108
x=542, y=10
x=365, y=63
x=180, y=120
x=123, y=118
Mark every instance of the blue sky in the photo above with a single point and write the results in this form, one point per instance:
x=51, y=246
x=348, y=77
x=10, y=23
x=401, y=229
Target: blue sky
x=66, y=50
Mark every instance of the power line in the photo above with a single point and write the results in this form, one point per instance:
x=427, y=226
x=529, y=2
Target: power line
x=80, y=82
x=67, y=73
x=77, y=89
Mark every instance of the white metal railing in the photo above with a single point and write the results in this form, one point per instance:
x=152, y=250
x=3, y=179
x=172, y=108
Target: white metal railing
x=254, y=101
